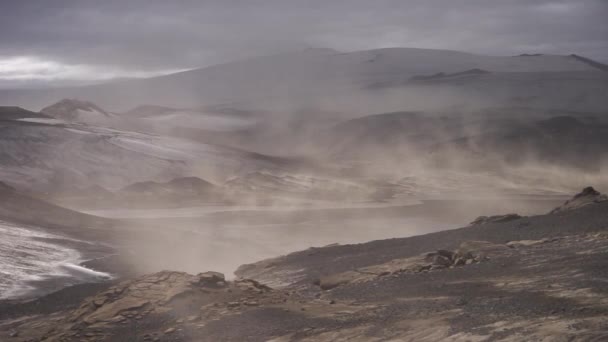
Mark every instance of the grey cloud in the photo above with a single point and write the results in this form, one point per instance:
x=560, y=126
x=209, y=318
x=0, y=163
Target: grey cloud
x=152, y=35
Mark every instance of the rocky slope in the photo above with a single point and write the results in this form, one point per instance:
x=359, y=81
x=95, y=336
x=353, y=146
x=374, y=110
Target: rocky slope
x=535, y=278
x=586, y=197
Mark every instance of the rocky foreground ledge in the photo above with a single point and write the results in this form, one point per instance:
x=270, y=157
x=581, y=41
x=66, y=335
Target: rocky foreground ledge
x=541, y=278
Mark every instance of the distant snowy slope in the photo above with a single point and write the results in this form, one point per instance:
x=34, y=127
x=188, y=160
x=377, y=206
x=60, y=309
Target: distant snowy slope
x=298, y=79
x=58, y=156
x=72, y=110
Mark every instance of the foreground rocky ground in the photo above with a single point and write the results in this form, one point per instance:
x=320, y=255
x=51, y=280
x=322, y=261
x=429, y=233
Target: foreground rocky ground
x=541, y=278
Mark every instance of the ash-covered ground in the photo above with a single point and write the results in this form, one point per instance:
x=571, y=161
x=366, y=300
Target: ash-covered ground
x=503, y=278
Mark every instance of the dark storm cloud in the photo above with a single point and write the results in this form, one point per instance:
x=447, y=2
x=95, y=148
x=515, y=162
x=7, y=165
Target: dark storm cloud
x=110, y=37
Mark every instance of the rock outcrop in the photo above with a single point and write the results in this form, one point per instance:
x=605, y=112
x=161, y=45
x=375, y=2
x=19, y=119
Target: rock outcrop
x=495, y=219
x=586, y=197
x=177, y=302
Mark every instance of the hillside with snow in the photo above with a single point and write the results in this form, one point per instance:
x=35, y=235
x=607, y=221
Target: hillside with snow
x=50, y=154
x=370, y=81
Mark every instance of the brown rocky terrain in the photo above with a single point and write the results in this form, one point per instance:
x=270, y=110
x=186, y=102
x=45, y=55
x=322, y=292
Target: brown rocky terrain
x=536, y=278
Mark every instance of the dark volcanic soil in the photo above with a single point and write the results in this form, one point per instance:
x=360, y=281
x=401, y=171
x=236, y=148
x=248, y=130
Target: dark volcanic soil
x=540, y=278
x=315, y=260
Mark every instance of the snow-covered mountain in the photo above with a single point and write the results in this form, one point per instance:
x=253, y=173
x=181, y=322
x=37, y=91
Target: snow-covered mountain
x=330, y=80
x=50, y=154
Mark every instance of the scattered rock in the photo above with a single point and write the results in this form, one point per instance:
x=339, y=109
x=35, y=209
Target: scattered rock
x=335, y=280
x=468, y=252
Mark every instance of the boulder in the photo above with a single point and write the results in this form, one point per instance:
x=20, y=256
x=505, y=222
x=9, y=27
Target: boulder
x=210, y=279
x=440, y=260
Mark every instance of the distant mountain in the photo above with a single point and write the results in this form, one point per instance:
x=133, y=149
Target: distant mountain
x=503, y=149
x=263, y=186
x=73, y=110
x=380, y=135
x=182, y=191
x=564, y=140
x=399, y=134
x=184, y=186
x=348, y=82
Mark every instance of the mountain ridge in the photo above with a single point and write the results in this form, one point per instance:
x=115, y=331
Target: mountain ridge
x=308, y=76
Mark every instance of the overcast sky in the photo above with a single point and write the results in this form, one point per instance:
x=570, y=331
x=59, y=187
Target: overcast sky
x=75, y=40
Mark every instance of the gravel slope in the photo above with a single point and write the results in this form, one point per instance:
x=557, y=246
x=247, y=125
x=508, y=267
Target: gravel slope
x=539, y=278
